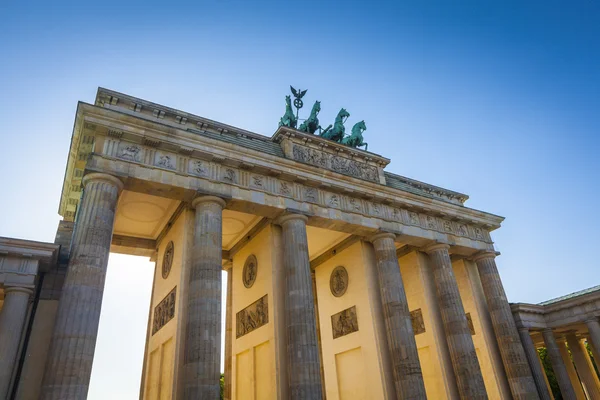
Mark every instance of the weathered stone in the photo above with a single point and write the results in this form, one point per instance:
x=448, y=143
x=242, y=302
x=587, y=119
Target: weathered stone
x=69, y=363
x=536, y=368
x=228, y=336
x=558, y=366
x=460, y=343
x=594, y=334
x=302, y=343
x=586, y=375
x=202, y=355
x=408, y=377
x=518, y=371
x=12, y=320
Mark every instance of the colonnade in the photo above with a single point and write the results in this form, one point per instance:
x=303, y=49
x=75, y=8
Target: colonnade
x=70, y=359
x=570, y=361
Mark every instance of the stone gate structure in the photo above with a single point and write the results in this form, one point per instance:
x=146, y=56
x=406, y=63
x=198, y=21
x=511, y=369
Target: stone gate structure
x=344, y=281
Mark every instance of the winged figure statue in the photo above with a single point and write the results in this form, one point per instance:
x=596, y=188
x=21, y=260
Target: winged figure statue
x=298, y=93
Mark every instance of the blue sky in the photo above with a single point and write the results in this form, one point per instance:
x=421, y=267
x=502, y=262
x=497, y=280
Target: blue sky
x=499, y=100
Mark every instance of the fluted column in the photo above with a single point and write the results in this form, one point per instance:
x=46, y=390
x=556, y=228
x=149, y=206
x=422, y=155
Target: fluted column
x=202, y=354
x=302, y=344
x=573, y=377
x=71, y=354
x=594, y=335
x=12, y=320
x=518, y=370
x=228, y=338
x=583, y=368
x=558, y=366
x=460, y=343
x=533, y=359
x=408, y=377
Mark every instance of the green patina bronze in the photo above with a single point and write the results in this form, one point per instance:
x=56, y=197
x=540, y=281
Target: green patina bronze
x=356, y=138
x=312, y=123
x=337, y=132
x=288, y=119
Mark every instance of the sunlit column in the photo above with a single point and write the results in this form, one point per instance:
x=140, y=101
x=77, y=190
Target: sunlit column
x=202, y=355
x=228, y=337
x=408, y=377
x=12, y=320
x=69, y=364
x=518, y=370
x=302, y=343
x=583, y=368
x=558, y=366
x=536, y=368
x=460, y=343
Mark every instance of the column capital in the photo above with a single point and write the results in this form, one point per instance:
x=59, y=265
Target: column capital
x=484, y=255
x=96, y=176
x=290, y=217
x=523, y=329
x=208, y=199
x=381, y=235
x=593, y=318
x=17, y=289
x=435, y=247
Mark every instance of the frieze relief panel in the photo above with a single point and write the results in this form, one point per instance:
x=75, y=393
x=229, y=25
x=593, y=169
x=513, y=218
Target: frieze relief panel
x=252, y=317
x=211, y=170
x=335, y=163
x=130, y=152
x=164, y=311
x=418, y=325
x=344, y=322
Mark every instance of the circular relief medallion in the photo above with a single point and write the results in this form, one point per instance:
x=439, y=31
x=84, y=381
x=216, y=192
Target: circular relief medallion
x=250, y=270
x=167, y=260
x=338, y=282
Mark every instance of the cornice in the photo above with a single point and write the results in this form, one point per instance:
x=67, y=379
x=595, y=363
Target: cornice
x=192, y=143
x=45, y=252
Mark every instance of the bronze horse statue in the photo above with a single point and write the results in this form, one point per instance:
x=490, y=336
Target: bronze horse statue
x=337, y=133
x=356, y=138
x=312, y=123
x=288, y=119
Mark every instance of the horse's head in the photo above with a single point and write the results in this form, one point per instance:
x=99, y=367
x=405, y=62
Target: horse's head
x=343, y=114
x=361, y=125
x=288, y=101
x=317, y=107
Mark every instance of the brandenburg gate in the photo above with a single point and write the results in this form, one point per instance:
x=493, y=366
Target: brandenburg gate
x=344, y=281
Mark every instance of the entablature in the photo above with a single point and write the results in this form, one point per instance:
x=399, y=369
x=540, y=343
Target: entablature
x=104, y=134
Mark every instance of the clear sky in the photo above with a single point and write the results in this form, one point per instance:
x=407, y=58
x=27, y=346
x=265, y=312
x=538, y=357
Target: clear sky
x=499, y=100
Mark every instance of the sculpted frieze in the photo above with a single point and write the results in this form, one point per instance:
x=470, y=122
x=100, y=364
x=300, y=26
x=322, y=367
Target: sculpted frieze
x=164, y=311
x=335, y=163
x=165, y=161
x=344, y=322
x=129, y=152
x=275, y=185
x=252, y=317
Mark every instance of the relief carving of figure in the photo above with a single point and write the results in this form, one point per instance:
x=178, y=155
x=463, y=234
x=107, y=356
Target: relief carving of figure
x=130, y=152
x=199, y=168
x=284, y=188
x=165, y=161
x=344, y=322
x=229, y=175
